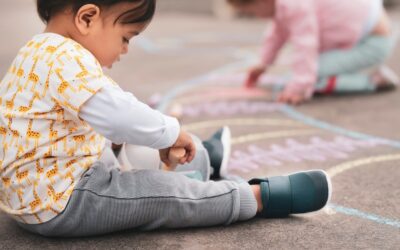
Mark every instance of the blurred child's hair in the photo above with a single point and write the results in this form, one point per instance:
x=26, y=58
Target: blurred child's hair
x=142, y=13
x=240, y=2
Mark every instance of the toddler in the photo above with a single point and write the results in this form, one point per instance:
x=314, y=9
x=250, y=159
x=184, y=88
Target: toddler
x=59, y=112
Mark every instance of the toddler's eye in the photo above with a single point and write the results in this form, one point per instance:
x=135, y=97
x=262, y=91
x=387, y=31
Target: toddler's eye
x=125, y=40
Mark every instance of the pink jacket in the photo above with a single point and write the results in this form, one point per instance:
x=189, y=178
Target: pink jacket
x=313, y=27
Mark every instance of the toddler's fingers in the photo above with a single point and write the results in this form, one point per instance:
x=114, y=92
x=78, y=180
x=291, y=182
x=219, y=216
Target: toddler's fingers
x=164, y=154
x=191, y=153
x=177, y=156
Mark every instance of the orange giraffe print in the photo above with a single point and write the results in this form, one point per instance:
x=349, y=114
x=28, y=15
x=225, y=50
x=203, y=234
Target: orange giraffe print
x=63, y=54
x=37, y=202
x=70, y=176
x=22, y=176
x=64, y=85
x=56, y=108
x=53, y=172
x=49, y=208
x=47, y=155
x=54, y=196
x=71, y=152
x=53, y=135
x=92, y=139
x=49, y=52
x=39, y=169
x=20, y=194
x=86, y=150
x=5, y=149
x=15, y=134
x=82, y=76
x=70, y=163
x=65, y=124
x=79, y=138
x=32, y=135
x=20, y=151
x=47, y=83
x=72, y=130
x=23, y=109
x=39, y=44
x=71, y=171
x=3, y=132
x=6, y=182
x=64, y=141
x=31, y=155
x=20, y=71
x=10, y=103
x=32, y=77
x=84, y=71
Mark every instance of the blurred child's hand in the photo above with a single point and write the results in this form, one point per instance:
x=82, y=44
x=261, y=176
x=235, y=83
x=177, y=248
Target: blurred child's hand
x=292, y=98
x=296, y=93
x=254, y=74
x=184, y=141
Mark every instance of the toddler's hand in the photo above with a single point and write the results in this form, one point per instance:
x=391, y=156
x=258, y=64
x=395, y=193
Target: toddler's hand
x=254, y=74
x=184, y=141
x=292, y=98
x=296, y=94
x=174, y=157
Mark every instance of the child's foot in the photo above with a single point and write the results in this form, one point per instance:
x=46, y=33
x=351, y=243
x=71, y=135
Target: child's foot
x=219, y=150
x=301, y=192
x=385, y=79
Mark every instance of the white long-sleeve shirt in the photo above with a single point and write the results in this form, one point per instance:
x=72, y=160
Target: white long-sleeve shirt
x=121, y=117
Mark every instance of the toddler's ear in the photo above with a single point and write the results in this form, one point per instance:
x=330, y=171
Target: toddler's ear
x=85, y=17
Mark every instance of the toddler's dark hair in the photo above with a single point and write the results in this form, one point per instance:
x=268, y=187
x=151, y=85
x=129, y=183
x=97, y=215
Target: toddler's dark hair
x=144, y=12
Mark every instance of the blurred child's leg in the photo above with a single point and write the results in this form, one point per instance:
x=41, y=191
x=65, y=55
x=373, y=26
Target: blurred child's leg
x=108, y=200
x=339, y=70
x=138, y=157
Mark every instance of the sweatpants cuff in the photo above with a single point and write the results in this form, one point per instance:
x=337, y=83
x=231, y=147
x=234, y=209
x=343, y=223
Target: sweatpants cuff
x=248, y=203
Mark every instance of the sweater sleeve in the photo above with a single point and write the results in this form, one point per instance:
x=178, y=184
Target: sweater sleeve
x=275, y=38
x=120, y=117
x=300, y=18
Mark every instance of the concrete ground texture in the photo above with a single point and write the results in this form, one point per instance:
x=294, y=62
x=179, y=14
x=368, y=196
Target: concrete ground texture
x=192, y=65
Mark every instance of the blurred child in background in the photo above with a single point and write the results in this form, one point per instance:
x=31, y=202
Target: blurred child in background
x=333, y=40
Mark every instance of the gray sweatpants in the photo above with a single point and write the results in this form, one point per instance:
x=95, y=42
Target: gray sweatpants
x=107, y=199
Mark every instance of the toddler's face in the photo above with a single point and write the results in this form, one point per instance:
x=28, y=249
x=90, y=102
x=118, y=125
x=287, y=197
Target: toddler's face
x=108, y=39
x=259, y=8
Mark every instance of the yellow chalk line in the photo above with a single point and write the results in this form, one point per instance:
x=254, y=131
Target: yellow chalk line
x=334, y=171
x=361, y=162
x=240, y=122
x=271, y=135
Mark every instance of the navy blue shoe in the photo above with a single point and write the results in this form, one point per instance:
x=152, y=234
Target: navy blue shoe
x=296, y=193
x=219, y=150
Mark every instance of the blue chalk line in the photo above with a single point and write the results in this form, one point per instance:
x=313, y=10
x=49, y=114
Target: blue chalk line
x=294, y=114
x=363, y=215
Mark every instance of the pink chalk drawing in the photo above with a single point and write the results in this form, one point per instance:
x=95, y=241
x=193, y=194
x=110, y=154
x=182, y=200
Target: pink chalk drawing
x=266, y=80
x=220, y=108
x=223, y=93
x=317, y=150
